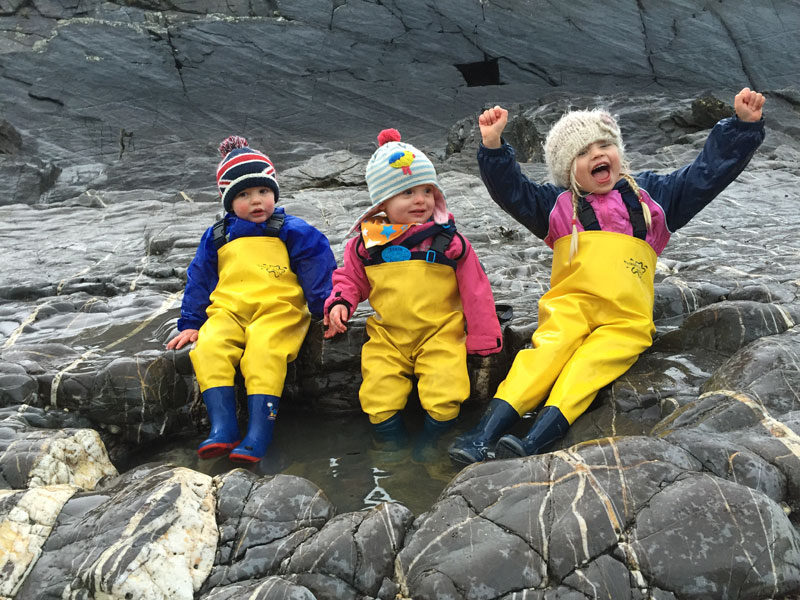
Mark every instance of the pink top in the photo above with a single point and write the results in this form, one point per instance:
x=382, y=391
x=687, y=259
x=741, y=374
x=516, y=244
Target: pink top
x=612, y=215
x=484, y=336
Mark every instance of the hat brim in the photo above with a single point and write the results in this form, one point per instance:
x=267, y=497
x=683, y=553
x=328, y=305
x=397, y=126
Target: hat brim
x=248, y=181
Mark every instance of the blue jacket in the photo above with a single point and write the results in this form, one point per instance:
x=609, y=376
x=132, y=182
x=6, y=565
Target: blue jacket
x=310, y=257
x=674, y=198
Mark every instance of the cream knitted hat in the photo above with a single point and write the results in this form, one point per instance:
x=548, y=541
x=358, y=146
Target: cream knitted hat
x=572, y=133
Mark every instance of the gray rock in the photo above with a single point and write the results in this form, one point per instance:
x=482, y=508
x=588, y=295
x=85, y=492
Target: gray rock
x=555, y=518
x=679, y=482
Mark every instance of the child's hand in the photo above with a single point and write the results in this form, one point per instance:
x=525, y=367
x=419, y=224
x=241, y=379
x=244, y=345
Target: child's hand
x=492, y=121
x=187, y=336
x=335, y=320
x=747, y=105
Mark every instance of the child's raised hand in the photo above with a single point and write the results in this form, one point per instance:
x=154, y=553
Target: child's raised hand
x=335, y=320
x=747, y=105
x=492, y=121
x=187, y=336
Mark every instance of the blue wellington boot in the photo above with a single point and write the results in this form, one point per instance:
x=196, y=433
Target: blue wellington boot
x=221, y=406
x=392, y=430
x=425, y=445
x=263, y=409
x=474, y=445
x=551, y=425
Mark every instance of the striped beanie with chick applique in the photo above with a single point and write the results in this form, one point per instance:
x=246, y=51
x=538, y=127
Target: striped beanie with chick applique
x=394, y=167
x=242, y=167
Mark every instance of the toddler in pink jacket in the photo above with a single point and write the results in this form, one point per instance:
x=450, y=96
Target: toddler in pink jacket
x=432, y=300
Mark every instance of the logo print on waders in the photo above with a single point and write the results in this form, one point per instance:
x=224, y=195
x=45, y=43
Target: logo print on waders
x=276, y=270
x=637, y=267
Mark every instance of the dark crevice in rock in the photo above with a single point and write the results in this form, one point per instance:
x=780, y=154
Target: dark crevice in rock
x=237, y=540
x=335, y=5
x=46, y=99
x=571, y=22
x=178, y=64
x=647, y=50
x=734, y=40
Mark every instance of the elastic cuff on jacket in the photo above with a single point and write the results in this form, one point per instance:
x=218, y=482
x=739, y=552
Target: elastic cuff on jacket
x=344, y=303
x=503, y=148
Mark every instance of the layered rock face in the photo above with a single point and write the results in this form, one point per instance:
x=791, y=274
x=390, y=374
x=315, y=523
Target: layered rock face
x=680, y=482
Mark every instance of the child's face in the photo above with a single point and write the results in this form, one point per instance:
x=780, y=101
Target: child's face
x=413, y=205
x=597, y=168
x=255, y=204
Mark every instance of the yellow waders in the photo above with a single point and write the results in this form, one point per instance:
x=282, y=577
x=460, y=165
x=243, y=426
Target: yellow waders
x=594, y=322
x=417, y=329
x=257, y=318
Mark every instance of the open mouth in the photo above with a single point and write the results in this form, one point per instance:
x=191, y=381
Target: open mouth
x=601, y=172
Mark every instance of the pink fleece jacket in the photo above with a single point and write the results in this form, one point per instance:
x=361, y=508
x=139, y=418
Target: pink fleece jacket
x=484, y=337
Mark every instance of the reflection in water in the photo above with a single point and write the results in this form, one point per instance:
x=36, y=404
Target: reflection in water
x=340, y=455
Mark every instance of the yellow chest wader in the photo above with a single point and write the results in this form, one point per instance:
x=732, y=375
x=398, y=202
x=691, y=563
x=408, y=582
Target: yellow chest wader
x=417, y=329
x=594, y=322
x=257, y=318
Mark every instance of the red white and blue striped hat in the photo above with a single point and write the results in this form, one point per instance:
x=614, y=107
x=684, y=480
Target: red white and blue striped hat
x=242, y=167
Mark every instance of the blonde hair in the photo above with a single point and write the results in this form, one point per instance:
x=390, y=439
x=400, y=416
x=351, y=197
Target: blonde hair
x=577, y=195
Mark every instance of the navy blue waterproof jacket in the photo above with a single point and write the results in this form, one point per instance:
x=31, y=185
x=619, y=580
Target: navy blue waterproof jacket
x=310, y=257
x=674, y=198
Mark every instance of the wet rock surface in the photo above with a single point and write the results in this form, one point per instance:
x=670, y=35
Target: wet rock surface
x=683, y=479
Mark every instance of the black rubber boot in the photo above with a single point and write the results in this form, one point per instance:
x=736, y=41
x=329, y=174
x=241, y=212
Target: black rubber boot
x=392, y=431
x=550, y=426
x=474, y=445
x=425, y=444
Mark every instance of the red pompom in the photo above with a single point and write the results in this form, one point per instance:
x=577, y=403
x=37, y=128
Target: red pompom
x=388, y=135
x=231, y=143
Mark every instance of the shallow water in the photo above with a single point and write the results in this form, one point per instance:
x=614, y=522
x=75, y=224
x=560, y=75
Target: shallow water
x=340, y=455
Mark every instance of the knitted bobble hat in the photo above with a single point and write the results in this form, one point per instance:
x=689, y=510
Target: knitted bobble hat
x=242, y=167
x=572, y=133
x=396, y=166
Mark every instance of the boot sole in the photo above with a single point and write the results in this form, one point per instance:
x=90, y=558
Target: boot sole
x=215, y=450
x=509, y=447
x=244, y=458
x=463, y=457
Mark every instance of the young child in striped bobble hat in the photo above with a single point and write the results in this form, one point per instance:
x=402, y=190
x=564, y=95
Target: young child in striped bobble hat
x=256, y=276
x=606, y=228
x=433, y=302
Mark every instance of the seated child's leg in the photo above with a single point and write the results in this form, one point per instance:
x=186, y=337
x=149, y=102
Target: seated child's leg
x=386, y=381
x=441, y=370
x=271, y=341
x=562, y=328
x=606, y=354
x=218, y=350
x=214, y=358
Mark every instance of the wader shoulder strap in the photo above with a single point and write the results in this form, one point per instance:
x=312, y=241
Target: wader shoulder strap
x=220, y=234
x=588, y=218
x=218, y=231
